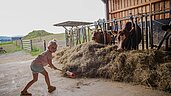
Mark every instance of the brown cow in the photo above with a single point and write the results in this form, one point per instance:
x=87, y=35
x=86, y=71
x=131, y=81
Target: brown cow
x=135, y=36
x=122, y=37
x=128, y=38
x=98, y=36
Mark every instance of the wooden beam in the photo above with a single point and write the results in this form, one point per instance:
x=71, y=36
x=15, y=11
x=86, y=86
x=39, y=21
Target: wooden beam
x=170, y=9
x=132, y=7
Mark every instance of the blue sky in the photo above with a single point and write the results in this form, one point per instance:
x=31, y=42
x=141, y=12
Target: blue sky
x=19, y=17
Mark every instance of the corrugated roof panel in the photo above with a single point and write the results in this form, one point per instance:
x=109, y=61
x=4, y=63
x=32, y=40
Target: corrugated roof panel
x=72, y=23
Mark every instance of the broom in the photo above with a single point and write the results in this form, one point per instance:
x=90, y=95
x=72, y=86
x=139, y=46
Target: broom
x=68, y=73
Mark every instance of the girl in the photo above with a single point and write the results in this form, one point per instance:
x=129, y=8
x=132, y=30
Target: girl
x=37, y=66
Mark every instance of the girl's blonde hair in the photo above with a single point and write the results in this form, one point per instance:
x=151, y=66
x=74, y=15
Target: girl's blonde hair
x=52, y=42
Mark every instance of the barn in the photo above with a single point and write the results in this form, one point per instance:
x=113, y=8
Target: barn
x=148, y=67
x=150, y=15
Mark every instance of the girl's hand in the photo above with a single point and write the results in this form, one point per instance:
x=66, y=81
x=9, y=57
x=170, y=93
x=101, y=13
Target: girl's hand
x=49, y=66
x=52, y=67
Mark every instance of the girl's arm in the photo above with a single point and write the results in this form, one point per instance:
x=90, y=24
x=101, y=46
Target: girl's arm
x=50, y=64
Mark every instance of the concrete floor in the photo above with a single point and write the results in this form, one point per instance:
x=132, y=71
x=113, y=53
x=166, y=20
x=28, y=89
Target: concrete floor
x=15, y=74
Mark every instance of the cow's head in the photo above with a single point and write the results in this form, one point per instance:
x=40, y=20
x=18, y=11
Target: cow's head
x=128, y=26
x=97, y=36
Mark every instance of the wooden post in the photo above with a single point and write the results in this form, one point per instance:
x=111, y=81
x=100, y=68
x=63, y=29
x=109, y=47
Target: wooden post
x=76, y=31
x=72, y=36
x=66, y=36
x=16, y=42
x=79, y=36
x=44, y=44
x=82, y=35
x=85, y=33
x=88, y=33
x=71, y=40
x=21, y=44
x=31, y=45
x=72, y=32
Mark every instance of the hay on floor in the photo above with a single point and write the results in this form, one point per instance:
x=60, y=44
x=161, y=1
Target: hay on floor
x=149, y=67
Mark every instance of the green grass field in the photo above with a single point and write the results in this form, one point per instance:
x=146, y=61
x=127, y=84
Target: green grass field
x=9, y=47
x=50, y=37
x=38, y=42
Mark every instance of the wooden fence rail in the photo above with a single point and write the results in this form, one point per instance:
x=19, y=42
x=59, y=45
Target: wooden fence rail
x=75, y=36
x=27, y=45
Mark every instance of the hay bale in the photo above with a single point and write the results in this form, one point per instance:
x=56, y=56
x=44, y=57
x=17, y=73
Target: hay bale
x=84, y=57
x=164, y=70
x=147, y=67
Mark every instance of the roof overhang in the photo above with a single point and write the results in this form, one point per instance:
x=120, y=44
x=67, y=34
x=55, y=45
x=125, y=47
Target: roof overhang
x=72, y=24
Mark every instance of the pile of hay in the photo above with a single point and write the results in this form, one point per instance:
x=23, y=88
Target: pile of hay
x=149, y=67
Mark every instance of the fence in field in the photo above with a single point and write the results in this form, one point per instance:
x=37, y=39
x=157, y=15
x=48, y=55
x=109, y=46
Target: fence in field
x=31, y=44
x=26, y=45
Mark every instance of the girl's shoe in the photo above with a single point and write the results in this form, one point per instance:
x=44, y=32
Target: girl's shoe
x=51, y=89
x=25, y=93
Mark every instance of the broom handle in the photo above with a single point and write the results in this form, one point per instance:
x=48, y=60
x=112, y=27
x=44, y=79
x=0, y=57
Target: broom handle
x=58, y=69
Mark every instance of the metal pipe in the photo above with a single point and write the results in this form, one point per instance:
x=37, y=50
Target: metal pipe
x=142, y=32
x=136, y=33
x=146, y=32
x=151, y=32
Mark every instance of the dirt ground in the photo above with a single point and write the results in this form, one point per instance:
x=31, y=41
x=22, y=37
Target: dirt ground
x=15, y=74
